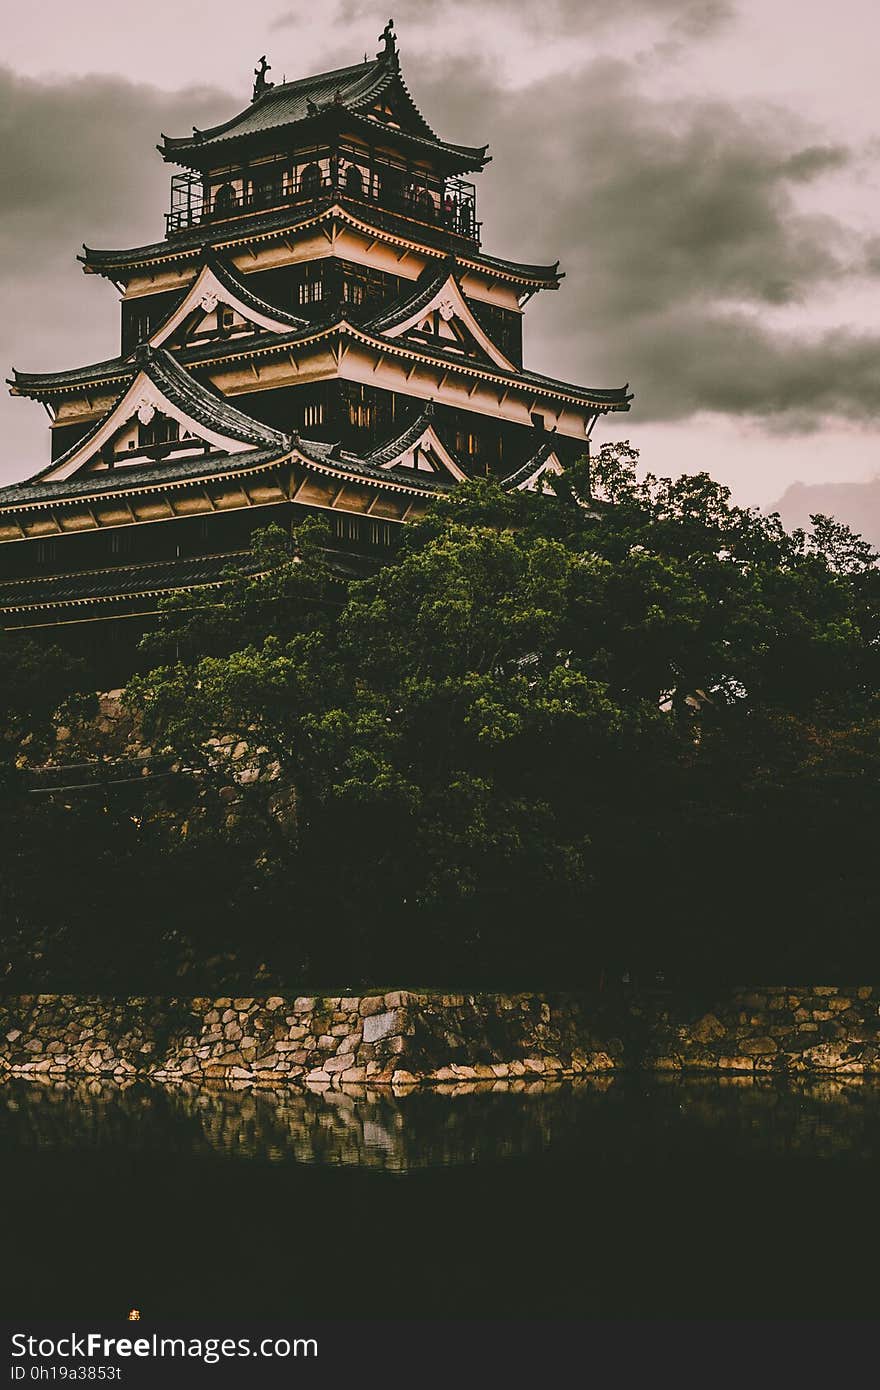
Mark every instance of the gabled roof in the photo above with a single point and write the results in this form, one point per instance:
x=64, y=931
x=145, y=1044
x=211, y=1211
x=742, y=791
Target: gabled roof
x=214, y=279
x=422, y=435
x=353, y=90
x=160, y=384
x=134, y=478
x=440, y=292
x=216, y=283
x=524, y=479
x=331, y=458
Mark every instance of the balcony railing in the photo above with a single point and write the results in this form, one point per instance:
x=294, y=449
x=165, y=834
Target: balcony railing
x=451, y=205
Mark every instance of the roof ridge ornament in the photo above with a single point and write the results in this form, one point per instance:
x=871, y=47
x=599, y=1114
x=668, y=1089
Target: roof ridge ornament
x=389, y=39
x=261, y=85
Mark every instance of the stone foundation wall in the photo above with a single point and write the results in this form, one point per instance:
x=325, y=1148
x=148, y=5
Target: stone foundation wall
x=404, y=1038
x=399, y=1038
x=808, y=1028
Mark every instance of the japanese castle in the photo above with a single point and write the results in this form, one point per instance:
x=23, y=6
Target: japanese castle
x=318, y=332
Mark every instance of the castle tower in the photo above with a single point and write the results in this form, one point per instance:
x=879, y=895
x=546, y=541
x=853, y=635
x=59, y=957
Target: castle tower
x=319, y=331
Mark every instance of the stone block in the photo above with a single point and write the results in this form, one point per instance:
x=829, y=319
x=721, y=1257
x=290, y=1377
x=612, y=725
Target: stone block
x=382, y=1025
x=707, y=1028
x=757, y=1047
x=332, y=1064
x=373, y=1004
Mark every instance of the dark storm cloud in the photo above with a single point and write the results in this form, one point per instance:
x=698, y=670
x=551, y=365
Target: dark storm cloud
x=79, y=165
x=79, y=162
x=680, y=224
x=694, y=18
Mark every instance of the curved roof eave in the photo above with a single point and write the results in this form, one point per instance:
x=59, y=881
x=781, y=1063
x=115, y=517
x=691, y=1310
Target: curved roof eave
x=266, y=227
x=291, y=105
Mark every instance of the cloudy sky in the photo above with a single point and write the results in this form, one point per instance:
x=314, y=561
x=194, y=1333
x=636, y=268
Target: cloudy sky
x=707, y=172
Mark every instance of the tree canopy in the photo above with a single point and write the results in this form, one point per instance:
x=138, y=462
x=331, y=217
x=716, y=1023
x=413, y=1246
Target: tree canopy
x=622, y=726
x=625, y=725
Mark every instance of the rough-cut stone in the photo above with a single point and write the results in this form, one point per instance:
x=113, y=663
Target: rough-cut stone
x=374, y=1005
x=378, y=1026
x=458, y=1040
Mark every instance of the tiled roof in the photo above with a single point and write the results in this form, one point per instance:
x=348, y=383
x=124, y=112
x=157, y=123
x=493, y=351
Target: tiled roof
x=343, y=460
x=123, y=581
x=135, y=477
x=237, y=286
x=189, y=243
x=513, y=480
x=195, y=400
x=415, y=298
x=124, y=368
x=355, y=89
x=393, y=448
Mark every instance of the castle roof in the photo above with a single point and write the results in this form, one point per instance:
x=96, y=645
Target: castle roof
x=252, y=228
x=291, y=107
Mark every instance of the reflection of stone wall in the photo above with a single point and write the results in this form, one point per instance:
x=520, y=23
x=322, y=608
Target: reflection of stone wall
x=358, y=1126
x=398, y=1038
x=613, y=1118
x=403, y=1038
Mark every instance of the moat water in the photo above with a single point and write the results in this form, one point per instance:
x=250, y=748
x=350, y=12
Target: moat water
x=616, y=1198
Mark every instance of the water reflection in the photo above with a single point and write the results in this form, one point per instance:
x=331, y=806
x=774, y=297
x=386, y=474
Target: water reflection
x=619, y=1119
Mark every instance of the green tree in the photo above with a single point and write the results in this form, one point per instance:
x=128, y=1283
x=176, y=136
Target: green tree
x=554, y=733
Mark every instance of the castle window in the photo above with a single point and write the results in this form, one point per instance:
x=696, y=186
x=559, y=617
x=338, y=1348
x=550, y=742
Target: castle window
x=311, y=288
x=354, y=183
x=268, y=189
x=225, y=318
x=120, y=543
x=311, y=292
x=466, y=442
x=353, y=291
x=311, y=179
x=347, y=528
x=225, y=198
x=161, y=430
x=361, y=415
x=313, y=414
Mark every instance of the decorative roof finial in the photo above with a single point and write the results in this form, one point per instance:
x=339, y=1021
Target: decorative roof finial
x=260, y=83
x=389, y=39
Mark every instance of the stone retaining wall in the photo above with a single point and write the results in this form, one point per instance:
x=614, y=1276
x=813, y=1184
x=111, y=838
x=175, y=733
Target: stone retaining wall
x=398, y=1037
x=404, y=1038
x=808, y=1028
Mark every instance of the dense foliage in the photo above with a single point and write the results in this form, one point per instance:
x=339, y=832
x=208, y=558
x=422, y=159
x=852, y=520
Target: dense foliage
x=629, y=726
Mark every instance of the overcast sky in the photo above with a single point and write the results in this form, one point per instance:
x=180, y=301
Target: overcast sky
x=705, y=170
